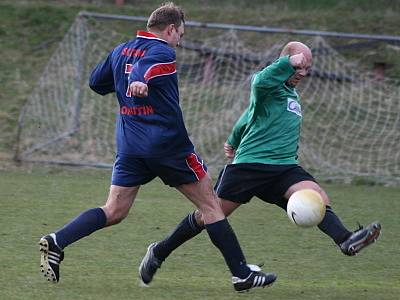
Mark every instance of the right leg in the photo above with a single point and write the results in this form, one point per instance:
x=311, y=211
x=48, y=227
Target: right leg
x=187, y=229
x=197, y=188
x=184, y=173
x=217, y=226
x=223, y=236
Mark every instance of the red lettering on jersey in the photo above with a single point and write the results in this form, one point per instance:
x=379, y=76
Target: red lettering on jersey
x=137, y=110
x=133, y=52
x=128, y=70
x=149, y=110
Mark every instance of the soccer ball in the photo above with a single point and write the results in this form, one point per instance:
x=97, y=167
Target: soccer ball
x=306, y=208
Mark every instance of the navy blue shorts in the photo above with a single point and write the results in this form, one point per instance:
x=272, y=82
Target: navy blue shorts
x=240, y=182
x=173, y=171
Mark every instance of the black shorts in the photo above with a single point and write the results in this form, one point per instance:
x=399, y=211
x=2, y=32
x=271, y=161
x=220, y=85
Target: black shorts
x=240, y=182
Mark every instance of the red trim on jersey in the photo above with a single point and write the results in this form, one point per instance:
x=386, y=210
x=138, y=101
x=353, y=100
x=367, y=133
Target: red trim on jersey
x=148, y=35
x=160, y=69
x=196, y=166
x=142, y=33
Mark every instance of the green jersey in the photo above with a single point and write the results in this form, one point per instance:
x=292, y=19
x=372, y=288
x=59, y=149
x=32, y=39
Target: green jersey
x=268, y=131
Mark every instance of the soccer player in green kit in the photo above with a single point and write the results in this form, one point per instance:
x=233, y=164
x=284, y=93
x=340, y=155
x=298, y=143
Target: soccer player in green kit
x=263, y=145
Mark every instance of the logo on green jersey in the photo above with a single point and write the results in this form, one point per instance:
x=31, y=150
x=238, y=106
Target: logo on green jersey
x=294, y=106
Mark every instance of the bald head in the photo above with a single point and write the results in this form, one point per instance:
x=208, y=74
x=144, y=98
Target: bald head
x=300, y=57
x=293, y=48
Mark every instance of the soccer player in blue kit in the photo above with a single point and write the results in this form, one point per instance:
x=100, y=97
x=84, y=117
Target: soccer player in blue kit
x=264, y=145
x=152, y=141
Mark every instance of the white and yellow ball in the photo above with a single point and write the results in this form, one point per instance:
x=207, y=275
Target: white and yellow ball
x=306, y=208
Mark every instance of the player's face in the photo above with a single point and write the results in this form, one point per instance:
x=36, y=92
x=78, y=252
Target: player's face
x=175, y=34
x=300, y=73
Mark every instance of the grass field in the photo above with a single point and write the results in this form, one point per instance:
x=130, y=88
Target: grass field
x=104, y=265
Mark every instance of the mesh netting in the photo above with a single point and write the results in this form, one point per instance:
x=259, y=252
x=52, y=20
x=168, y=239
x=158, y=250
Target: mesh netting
x=351, y=121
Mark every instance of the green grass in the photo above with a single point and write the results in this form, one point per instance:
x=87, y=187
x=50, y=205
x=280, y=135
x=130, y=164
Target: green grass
x=104, y=265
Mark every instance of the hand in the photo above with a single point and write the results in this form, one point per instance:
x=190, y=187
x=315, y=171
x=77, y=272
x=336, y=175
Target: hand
x=139, y=89
x=298, y=61
x=229, y=151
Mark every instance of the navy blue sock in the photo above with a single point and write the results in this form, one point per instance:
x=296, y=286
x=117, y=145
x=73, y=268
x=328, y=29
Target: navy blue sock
x=184, y=231
x=223, y=237
x=333, y=227
x=83, y=225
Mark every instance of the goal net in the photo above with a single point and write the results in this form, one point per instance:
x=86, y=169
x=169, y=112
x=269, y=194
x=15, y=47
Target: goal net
x=351, y=121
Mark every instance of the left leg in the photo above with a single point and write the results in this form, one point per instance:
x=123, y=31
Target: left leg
x=52, y=246
x=350, y=243
x=330, y=224
x=306, y=184
x=128, y=174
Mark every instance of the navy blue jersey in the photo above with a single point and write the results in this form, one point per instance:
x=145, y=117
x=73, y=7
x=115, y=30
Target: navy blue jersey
x=151, y=126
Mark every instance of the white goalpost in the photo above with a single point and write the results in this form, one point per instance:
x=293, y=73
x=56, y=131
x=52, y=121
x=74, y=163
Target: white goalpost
x=351, y=121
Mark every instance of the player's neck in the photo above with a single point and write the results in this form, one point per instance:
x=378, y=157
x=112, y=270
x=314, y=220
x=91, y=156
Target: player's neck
x=158, y=34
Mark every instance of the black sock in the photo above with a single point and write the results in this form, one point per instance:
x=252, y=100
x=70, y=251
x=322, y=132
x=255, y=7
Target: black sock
x=223, y=237
x=333, y=227
x=184, y=231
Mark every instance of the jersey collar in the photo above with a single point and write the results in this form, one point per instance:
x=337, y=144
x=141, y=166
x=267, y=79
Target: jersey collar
x=148, y=35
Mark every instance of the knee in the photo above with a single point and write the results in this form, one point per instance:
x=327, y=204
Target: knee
x=114, y=214
x=119, y=203
x=308, y=185
x=209, y=205
x=115, y=210
x=116, y=219
x=211, y=211
x=324, y=196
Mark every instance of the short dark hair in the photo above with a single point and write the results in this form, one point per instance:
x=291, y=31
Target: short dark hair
x=168, y=13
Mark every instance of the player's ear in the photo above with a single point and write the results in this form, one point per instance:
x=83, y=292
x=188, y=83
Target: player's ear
x=170, y=29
